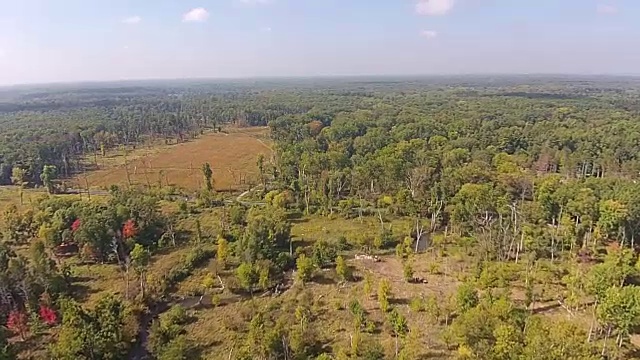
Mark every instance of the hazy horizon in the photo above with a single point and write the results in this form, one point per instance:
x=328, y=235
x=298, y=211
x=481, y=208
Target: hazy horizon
x=336, y=77
x=66, y=41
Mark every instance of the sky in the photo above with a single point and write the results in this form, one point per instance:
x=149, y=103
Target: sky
x=98, y=40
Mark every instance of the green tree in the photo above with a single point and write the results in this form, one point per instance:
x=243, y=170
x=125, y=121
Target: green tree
x=399, y=327
x=466, y=297
x=222, y=252
x=247, y=276
x=407, y=271
x=209, y=282
x=432, y=309
x=545, y=339
x=264, y=273
x=98, y=334
x=368, y=284
x=508, y=342
x=261, y=169
x=18, y=176
x=384, y=293
x=208, y=176
x=305, y=268
x=342, y=269
x=47, y=176
x=179, y=348
x=371, y=350
x=612, y=219
x=140, y=258
x=614, y=271
x=620, y=309
x=167, y=339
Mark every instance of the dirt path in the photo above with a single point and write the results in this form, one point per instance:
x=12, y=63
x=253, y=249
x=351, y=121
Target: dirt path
x=139, y=350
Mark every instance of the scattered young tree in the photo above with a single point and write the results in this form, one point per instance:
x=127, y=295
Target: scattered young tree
x=407, y=271
x=247, y=276
x=304, y=268
x=384, y=293
x=342, y=269
x=399, y=327
x=207, y=172
x=47, y=176
x=466, y=297
x=140, y=258
x=368, y=283
x=18, y=176
x=222, y=252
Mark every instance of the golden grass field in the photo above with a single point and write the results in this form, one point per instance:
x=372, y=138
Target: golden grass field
x=232, y=156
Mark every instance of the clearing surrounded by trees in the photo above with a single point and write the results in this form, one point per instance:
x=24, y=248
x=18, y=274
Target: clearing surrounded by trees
x=233, y=155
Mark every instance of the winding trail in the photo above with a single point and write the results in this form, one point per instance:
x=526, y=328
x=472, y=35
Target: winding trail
x=139, y=350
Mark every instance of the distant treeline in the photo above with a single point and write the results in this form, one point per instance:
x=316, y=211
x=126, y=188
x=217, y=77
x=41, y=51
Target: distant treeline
x=558, y=118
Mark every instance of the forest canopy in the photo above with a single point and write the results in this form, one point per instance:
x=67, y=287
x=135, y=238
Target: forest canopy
x=436, y=217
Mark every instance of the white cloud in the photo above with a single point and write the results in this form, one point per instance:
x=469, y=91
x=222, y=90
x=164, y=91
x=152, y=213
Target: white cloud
x=607, y=9
x=434, y=7
x=266, y=29
x=429, y=34
x=196, y=15
x=132, y=20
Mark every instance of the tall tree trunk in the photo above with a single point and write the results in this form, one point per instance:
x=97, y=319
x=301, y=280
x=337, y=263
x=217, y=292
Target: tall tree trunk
x=593, y=320
x=553, y=238
x=604, y=343
x=142, y=277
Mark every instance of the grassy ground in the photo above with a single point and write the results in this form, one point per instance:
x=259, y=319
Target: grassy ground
x=318, y=227
x=232, y=156
x=11, y=195
x=221, y=329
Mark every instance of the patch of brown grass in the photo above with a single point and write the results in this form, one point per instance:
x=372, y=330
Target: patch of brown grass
x=232, y=156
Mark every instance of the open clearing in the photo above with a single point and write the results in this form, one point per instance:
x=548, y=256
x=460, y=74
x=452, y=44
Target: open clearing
x=232, y=156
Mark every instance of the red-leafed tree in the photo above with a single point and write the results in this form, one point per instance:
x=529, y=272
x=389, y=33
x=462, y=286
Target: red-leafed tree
x=18, y=323
x=48, y=315
x=129, y=229
x=76, y=224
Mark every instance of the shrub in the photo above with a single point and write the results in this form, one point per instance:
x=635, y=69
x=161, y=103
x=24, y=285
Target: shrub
x=342, y=269
x=466, y=297
x=416, y=304
x=407, y=271
x=305, y=268
x=324, y=253
x=194, y=258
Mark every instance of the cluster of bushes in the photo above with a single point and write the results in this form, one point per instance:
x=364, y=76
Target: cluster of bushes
x=194, y=259
x=167, y=339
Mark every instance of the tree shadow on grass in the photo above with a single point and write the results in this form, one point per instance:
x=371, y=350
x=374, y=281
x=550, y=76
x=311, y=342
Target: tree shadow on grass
x=399, y=301
x=80, y=292
x=298, y=220
x=323, y=279
x=546, y=308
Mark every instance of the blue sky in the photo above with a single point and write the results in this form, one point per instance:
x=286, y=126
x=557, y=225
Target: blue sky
x=77, y=40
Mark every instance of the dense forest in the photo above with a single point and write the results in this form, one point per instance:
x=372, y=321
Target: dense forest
x=510, y=205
